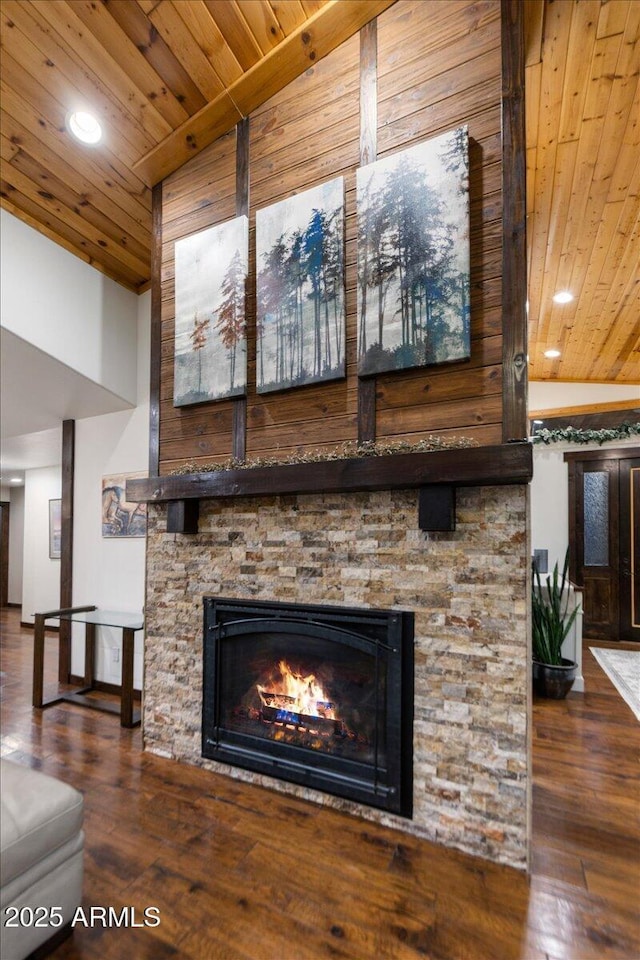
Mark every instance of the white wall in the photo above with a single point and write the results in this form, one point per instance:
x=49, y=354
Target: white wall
x=110, y=572
x=551, y=395
x=73, y=312
x=40, y=574
x=68, y=310
x=550, y=501
x=16, y=545
x=14, y=496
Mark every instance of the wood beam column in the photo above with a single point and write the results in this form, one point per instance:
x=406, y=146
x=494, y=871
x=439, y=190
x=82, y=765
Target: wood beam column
x=514, y=252
x=156, y=331
x=368, y=154
x=239, y=440
x=66, y=546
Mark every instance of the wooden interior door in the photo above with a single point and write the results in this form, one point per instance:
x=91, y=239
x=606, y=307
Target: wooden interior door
x=604, y=491
x=630, y=549
x=597, y=531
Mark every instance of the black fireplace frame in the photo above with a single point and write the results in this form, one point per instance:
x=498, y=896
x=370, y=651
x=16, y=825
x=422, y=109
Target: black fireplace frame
x=387, y=634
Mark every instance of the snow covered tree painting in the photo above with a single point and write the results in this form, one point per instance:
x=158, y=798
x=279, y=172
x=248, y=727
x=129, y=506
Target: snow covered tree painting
x=300, y=289
x=413, y=256
x=210, y=360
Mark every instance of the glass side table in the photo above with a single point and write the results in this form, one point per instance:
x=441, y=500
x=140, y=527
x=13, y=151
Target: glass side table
x=129, y=623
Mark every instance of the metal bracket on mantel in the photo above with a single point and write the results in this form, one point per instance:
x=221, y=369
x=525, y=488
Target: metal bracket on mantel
x=437, y=507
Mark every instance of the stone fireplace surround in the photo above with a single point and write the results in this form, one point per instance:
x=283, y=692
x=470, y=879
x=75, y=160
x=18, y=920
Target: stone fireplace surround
x=468, y=590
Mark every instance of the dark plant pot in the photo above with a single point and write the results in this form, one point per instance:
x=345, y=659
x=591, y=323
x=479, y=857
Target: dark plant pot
x=554, y=681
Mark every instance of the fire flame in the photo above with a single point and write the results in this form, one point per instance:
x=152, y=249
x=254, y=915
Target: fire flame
x=304, y=694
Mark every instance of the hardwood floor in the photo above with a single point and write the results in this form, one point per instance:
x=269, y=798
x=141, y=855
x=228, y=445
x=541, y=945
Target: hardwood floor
x=240, y=873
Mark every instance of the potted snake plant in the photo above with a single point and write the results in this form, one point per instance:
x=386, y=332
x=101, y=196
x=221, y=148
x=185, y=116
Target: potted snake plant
x=553, y=675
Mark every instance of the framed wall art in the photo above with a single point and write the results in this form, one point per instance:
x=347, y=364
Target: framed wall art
x=55, y=529
x=300, y=289
x=210, y=357
x=121, y=518
x=413, y=256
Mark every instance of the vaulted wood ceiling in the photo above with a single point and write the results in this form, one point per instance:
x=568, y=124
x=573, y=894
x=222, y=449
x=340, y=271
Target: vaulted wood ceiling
x=583, y=188
x=169, y=76
x=165, y=77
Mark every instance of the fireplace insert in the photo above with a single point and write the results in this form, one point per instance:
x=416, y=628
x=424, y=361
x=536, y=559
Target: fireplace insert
x=316, y=695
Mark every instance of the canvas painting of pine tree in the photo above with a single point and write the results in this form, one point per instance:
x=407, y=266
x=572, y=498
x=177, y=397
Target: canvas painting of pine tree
x=413, y=256
x=300, y=289
x=210, y=359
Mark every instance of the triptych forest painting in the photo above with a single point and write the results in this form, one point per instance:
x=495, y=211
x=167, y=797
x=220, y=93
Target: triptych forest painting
x=413, y=256
x=412, y=280
x=300, y=289
x=210, y=332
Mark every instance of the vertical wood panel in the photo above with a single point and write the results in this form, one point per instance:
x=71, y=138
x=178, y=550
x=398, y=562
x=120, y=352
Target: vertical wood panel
x=66, y=546
x=369, y=93
x=242, y=168
x=156, y=333
x=368, y=154
x=239, y=428
x=514, y=252
x=366, y=410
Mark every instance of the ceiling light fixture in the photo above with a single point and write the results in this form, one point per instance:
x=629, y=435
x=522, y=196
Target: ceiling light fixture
x=562, y=296
x=84, y=127
x=15, y=480
x=552, y=354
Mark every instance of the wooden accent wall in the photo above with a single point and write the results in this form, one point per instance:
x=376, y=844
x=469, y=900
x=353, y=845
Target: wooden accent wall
x=438, y=66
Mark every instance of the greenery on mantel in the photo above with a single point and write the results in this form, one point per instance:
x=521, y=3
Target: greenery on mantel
x=576, y=435
x=346, y=451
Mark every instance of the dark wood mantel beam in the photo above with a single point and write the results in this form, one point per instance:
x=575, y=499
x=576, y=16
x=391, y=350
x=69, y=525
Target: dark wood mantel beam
x=474, y=466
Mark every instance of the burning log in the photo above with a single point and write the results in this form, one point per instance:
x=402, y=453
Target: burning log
x=316, y=725
x=291, y=692
x=295, y=709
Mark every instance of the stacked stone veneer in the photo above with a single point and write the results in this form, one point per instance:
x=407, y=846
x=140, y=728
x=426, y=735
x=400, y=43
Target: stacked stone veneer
x=468, y=590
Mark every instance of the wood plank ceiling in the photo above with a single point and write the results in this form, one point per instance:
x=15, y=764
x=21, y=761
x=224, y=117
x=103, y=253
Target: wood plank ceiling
x=583, y=188
x=166, y=77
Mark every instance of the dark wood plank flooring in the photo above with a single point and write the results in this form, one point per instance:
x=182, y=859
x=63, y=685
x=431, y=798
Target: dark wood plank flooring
x=240, y=873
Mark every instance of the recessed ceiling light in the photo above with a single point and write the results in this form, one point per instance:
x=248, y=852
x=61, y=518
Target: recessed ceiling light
x=15, y=480
x=84, y=127
x=562, y=296
x=552, y=354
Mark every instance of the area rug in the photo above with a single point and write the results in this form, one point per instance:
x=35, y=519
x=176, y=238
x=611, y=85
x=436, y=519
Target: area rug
x=623, y=669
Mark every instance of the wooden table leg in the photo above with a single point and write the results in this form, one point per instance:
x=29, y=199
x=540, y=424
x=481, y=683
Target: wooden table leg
x=38, y=661
x=89, y=653
x=126, y=705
